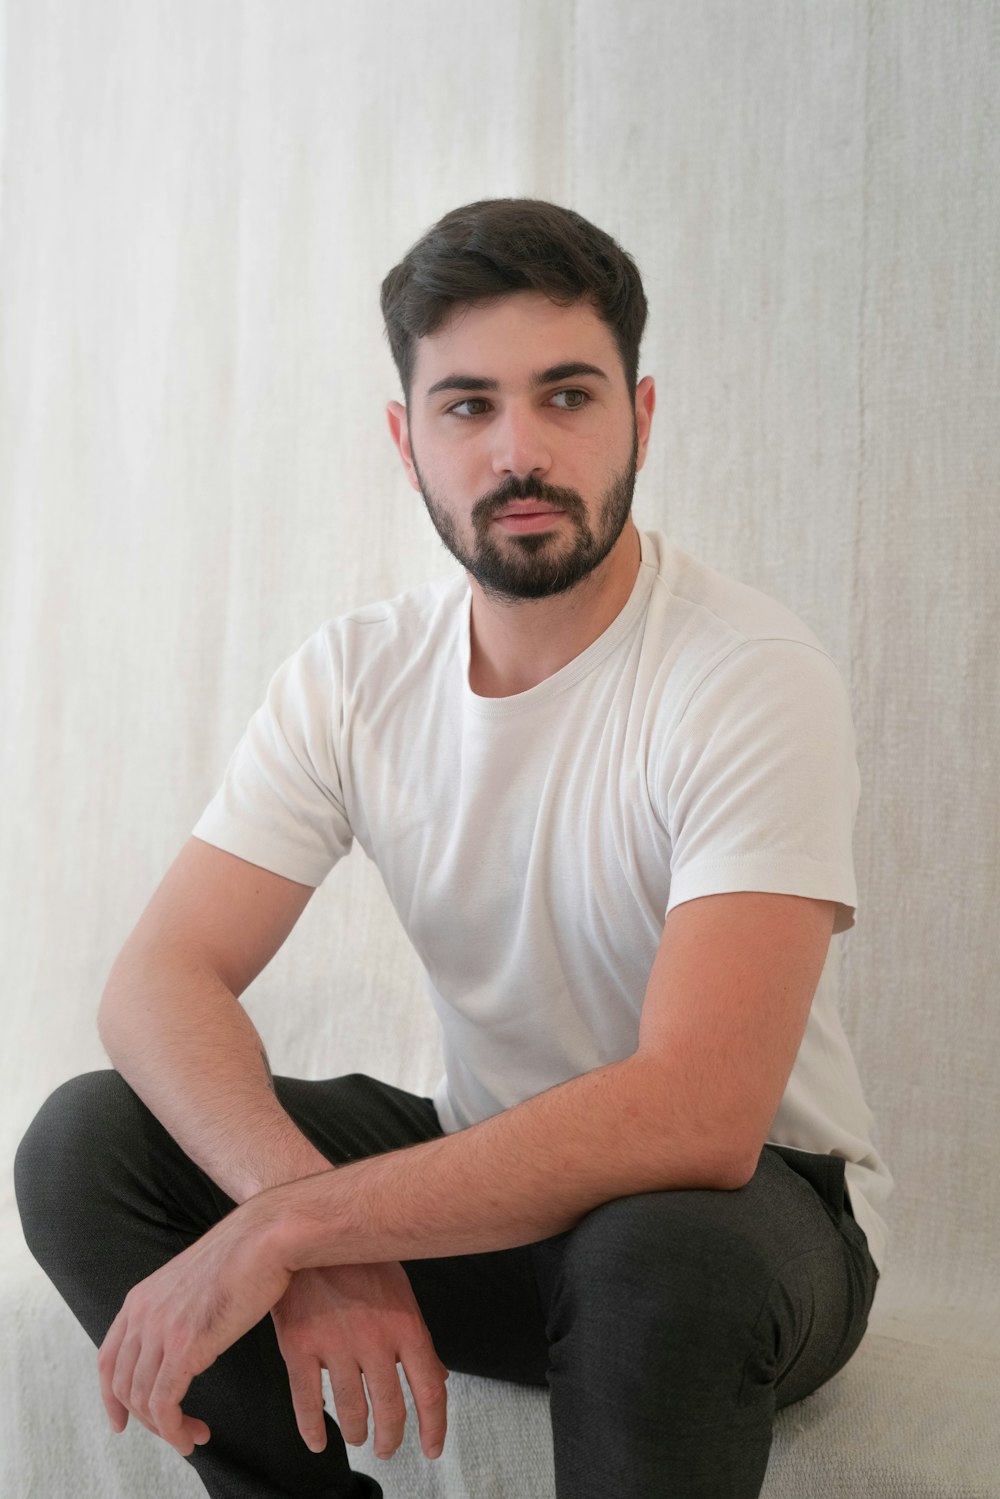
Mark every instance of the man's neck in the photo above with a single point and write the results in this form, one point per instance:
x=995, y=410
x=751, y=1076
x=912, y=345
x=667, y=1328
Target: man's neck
x=514, y=647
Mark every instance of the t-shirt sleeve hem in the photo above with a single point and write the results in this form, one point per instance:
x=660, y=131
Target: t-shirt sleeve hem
x=803, y=877
x=264, y=850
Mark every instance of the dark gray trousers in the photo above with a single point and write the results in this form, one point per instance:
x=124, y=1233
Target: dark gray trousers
x=667, y=1326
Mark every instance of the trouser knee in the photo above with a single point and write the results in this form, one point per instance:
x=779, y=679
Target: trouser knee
x=660, y=1373
x=664, y=1288
x=83, y=1125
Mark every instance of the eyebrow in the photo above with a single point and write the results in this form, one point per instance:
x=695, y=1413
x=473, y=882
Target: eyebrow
x=540, y=377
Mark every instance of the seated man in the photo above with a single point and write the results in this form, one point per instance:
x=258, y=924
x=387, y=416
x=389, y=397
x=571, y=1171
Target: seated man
x=612, y=795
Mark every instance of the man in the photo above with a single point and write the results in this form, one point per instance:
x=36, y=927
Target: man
x=611, y=793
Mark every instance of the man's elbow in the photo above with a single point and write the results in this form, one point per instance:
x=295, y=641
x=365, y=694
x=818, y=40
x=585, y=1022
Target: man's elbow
x=736, y=1172
x=731, y=1155
x=725, y=1167
x=701, y=1169
x=687, y=1147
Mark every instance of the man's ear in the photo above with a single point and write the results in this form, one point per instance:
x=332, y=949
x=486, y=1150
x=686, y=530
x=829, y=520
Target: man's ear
x=645, y=402
x=399, y=428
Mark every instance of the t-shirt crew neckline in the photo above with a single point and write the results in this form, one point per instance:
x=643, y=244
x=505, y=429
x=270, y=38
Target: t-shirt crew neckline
x=619, y=628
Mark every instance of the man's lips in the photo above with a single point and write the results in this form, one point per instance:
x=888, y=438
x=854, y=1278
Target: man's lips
x=527, y=507
x=520, y=521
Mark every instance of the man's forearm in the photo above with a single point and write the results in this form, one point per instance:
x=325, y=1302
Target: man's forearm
x=186, y=1046
x=523, y=1175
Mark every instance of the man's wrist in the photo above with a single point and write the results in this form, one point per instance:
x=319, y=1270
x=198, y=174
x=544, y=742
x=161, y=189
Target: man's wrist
x=285, y=1219
x=280, y=1169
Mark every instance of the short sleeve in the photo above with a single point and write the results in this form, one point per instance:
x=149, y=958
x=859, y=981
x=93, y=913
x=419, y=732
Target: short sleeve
x=760, y=781
x=281, y=803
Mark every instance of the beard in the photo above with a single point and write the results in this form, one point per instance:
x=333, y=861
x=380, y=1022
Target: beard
x=536, y=564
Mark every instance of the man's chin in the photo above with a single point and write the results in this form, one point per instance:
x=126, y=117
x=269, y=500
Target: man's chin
x=530, y=582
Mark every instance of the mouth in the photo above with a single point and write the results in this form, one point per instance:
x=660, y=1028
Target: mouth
x=537, y=519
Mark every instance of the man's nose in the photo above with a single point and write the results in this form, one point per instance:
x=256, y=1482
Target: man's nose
x=519, y=444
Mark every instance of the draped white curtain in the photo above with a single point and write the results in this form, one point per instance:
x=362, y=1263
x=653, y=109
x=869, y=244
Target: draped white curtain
x=199, y=202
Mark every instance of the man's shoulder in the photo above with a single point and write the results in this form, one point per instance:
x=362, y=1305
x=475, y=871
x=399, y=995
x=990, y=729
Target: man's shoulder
x=707, y=630
x=443, y=594
x=420, y=616
x=718, y=611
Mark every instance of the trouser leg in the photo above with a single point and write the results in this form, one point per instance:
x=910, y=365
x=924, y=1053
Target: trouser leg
x=106, y=1197
x=668, y=1326
x=680, y=1321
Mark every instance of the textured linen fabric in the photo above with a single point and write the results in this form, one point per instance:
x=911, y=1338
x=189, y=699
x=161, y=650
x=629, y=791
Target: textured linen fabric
x=197, y=205
x=533, y=844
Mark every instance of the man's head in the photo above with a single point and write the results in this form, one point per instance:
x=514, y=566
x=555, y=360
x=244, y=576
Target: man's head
x=503, y=245
x=513, y=297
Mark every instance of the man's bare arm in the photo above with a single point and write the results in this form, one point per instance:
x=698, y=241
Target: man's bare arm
x=723, y=1018
x=172, y=1024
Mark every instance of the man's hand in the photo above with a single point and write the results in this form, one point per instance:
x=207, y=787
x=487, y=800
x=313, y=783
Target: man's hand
x=354, y=1320
x=350, y=1319
x=177, y=1322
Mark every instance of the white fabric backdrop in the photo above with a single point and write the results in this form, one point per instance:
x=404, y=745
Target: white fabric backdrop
x=198, y=205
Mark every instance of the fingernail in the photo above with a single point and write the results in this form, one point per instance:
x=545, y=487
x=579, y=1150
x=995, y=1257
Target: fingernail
x=433, y=1452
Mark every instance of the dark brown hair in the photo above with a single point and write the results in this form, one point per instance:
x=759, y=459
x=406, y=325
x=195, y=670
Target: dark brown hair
x=498, y=246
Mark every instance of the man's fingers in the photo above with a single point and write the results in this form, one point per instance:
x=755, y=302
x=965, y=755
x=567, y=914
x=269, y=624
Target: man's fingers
x=123, y=1375
x=107, y=1358
x=164, y=1407
x=137, y=1391
x=360, y=1322
x=426, y=1376
x=350, y=1401
x=129, y=1373
x=388, y=1406
x=305, y=1380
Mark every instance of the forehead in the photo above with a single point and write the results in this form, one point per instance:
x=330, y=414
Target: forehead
x=509, y=338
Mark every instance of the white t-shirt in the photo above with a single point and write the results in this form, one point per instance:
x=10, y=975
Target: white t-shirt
x=532, y=845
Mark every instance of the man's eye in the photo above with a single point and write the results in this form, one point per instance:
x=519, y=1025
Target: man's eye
x=481, y=401
x=579, y=407
x=471, y=401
